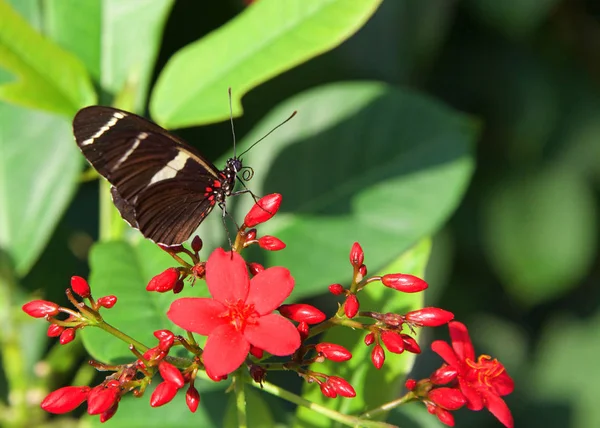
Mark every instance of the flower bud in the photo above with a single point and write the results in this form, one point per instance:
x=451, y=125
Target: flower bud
x=109, y=413
x=192, y=398
x=271, y=243
x=444, y=416
x=264, y=209
x=404, y=282
x=165, y=339
x=369, y=339
x=255, y=268
x=410, y=384
x=164, y=281
x=392, y=341
x=351, y=306
x=303, y=330
x=336, y=289
x=429, y=317
x=107, y=301
x=341, y=386
x=164, y=392
x=40, y=308
x=448, y=398
x=54, y=330
x=333, y=352
x=178, y=286
x=443, y=375
x=328, y=390
x=378, y=356
x=65, y=399
x=102, y=398
x=362, y=270
x=171, y=374
x=196, y=244
x=410, y=344
x=250, y=235
x=357, y=256
x=67, y=336
x=80, y=286
x=302, y=312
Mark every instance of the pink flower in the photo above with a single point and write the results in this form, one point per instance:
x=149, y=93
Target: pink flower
x=239, y=313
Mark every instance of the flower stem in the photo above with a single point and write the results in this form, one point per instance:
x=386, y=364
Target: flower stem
x=351, y=421
x=240, y=399
x=384, y=408
x=124, y=337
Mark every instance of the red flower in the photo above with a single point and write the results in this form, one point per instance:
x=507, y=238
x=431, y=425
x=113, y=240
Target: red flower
x=239, y=314
x=482, y=381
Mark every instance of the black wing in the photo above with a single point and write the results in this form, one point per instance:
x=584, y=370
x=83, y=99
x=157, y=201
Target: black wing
x=159, y=182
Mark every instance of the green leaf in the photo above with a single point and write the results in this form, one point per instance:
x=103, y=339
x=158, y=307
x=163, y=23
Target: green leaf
x=361, y=162
x=266, y=39
x=540, y=233
x=44, y=76
x=100, y=33
x=373, y=387
x=39, y=165
x=123, y=269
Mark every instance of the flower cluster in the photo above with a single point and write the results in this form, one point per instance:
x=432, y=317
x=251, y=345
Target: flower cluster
x=248, y=326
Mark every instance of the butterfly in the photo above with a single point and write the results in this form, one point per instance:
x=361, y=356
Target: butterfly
x=161, y=185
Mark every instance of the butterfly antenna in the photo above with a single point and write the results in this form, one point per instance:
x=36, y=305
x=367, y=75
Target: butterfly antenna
x=231, y=120
x=270, y=132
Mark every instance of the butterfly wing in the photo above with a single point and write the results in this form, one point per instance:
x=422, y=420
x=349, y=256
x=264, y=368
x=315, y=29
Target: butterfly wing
x=159, y=182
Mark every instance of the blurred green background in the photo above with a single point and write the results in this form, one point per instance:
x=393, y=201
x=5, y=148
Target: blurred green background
x=517, y=260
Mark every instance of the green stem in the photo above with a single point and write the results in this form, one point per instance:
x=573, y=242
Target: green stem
x=124, y=337
x=240, y=399
x=351, y=421
x=384, y=408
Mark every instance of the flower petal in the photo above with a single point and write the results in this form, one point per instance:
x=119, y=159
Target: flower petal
x=197, y=314
x=269, y=288
x=225, y=350
x=461, y=342
x=445, y=351
x=498, y=408
x=274, y=334
x=227, y=276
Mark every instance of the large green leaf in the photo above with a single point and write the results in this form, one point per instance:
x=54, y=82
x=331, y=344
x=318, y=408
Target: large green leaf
x=267, y=39
x=39, y=165
x=100, y=33
x=124, y=270
x=44, y=76
x=373, y=387
x=361, y=162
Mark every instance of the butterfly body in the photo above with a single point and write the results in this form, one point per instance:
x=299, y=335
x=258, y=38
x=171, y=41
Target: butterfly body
x=160, y=185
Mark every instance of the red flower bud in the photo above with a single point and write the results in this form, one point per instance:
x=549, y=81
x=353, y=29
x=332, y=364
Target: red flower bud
x=164, y=392
x=54, y=330
x=341, y=386
x=410, y=344
x=448, y=398
x=302, y=312
x=410, y=384
x=264, y=209
x=336, y=289
x=102, y=398
x=378, y=356
x=67, y=336
x=192, y=398
x=351, y=306
x=107, y=301
x=443, y=375
x=196, y=244
x=178, y=286
x=250, y=235
x=109, y=413
x=369, y=339
x=164, y=281
x=357, y=255
x=171, y=374
x=444, y=416
x=404, y=282
x=154, y=354
x=80, y=286
x=256, y=352
x=40, y=308
x=255, y=268
x=392, y=341
x=303, y=330
x=65, y=399
x=362, y=270
x=271, y=243
x=328, y=390
x=429, y=317
x=333, y=352
x=165, y=339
